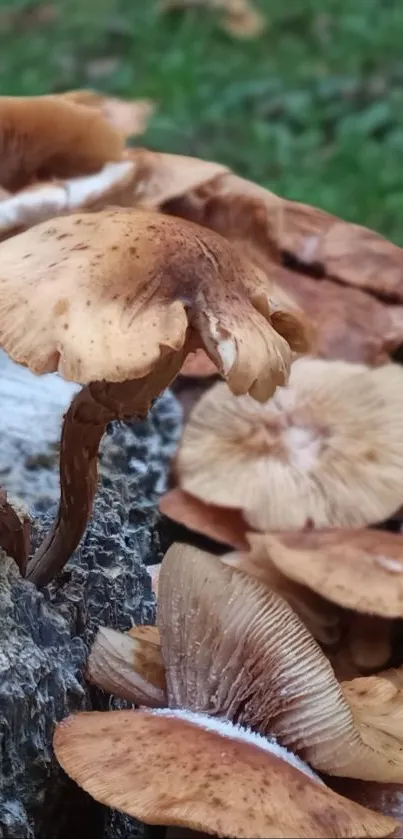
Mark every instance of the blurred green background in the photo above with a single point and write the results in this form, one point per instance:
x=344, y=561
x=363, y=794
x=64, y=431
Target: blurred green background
x=313, y=108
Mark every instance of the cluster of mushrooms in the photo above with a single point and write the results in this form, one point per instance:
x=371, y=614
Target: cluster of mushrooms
x=270, y=693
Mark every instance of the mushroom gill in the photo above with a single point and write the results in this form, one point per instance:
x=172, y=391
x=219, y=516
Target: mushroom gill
x=328, y=447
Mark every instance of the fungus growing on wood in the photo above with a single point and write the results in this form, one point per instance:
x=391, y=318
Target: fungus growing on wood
x=328, y=447
x=234, y=649
x=115, y=300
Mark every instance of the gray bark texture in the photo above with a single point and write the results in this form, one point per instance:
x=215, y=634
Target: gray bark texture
x=45, y=636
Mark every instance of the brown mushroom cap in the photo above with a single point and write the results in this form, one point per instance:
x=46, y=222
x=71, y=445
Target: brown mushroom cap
x=327, y=447
x=223, y=525
x=346, y=259
x=316, y=241
x=181, y=769
x=357, y=569
x=104, y=295
x=47, y=136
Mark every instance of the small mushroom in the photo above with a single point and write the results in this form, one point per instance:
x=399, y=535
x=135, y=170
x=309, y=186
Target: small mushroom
x=45, y=137
x=328, y=447
x=178, y=768
x=115, y=300
x=128, y=665
x=234, y=649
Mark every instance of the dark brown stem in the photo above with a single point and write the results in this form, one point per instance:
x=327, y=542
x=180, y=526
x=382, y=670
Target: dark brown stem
x=83, y=428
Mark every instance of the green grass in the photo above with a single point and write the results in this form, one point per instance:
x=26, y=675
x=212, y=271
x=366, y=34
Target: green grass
x=312, y=109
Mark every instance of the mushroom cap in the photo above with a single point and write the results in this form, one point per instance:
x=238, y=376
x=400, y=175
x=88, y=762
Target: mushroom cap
x=129, y=666
x=223, y=525
x=105, y=295
x=357, y=569
x=316, y=241
x=47, y=136
x=327, y=447
x=188, y=770
x=347, y=260
x=350, y=325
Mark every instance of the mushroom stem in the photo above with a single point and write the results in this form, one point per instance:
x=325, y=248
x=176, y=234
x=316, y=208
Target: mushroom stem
x=84, y=424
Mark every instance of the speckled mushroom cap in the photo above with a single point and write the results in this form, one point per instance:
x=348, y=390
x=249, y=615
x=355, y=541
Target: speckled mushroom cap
x=327, y=447
x=48, y=136
x=356, y=569
x=176, y=768
x=105, y=295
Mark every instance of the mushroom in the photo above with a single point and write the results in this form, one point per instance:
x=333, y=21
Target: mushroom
x=115, y=300
x=360, y=571
x=328, y=447
x=234, y=649
x=128, y=664
x=43, y=137
x=298, y=243
x=178, y=768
